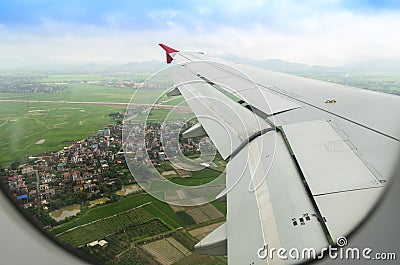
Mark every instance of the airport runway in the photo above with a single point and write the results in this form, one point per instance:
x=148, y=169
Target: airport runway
x=157, y=106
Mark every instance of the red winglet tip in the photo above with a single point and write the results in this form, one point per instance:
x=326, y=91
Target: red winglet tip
x=168, y=50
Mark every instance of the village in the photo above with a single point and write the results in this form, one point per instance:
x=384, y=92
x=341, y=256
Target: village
x=87, y=171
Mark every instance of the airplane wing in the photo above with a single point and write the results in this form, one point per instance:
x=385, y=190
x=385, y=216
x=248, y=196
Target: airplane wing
x=307, y=159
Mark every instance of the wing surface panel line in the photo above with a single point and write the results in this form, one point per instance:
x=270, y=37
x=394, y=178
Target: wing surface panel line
x=349, y=190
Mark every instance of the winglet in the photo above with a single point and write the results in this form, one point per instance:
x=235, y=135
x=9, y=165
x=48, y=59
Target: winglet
x=168, y=51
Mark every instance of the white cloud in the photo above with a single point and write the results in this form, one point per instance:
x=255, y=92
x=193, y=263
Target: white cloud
x=162, y=15
x=329, y=39
x=334, y=39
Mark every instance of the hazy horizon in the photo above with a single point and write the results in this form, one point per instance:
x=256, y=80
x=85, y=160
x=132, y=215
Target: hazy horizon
x=275, y=64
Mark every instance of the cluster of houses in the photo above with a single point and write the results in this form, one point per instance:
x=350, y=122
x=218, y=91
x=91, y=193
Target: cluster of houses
x=80, y=167
x=159, y=141
x=113, y=83
x=24, y=83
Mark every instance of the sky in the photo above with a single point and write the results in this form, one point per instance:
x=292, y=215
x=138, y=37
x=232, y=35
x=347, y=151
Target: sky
x=330, y=32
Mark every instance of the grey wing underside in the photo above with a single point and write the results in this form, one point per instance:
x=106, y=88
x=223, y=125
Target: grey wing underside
x=308, y=159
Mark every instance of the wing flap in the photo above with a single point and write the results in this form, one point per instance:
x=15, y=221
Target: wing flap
x=195, y=131
x=214, y=244
x=263, y=208
x=344, y=211
x=328, y=163
x=227, y=123
x=266, y=101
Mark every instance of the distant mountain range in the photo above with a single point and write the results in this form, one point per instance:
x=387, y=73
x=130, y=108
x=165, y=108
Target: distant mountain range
x=375, y=66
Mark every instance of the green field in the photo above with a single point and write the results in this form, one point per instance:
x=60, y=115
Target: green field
x=165, y=213
x=103, y=227
x=221, y=206
x=22, y=125
x=159, y=209
x=111, y=218
x=86, y=92
x=197, y=177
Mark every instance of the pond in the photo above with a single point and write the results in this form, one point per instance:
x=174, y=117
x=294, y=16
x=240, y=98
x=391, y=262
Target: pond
x=65, y=212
